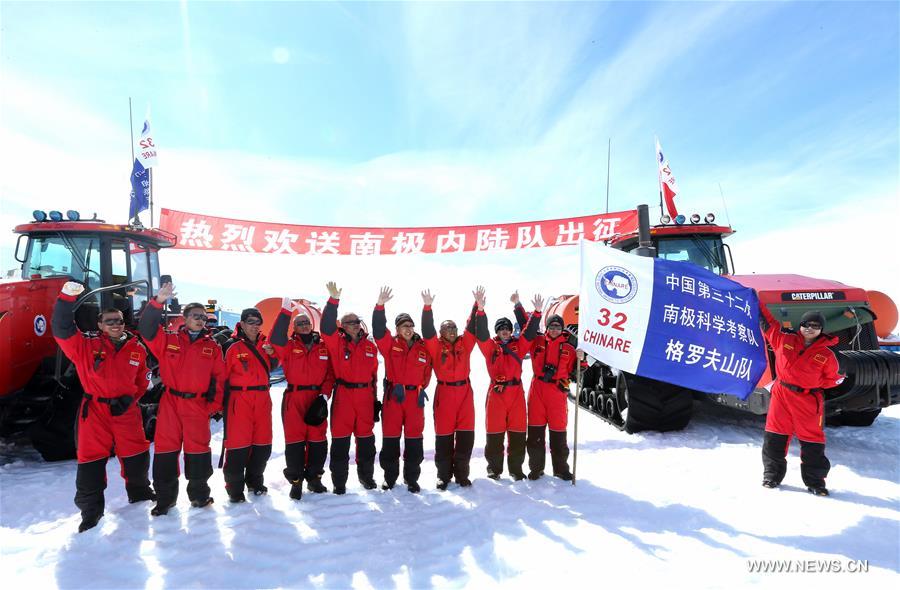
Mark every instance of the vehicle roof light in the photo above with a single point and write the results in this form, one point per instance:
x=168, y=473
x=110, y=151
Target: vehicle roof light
x=710, y=218
x=665, y=219
x=55, y=216
x=679, y=219
x=39, y=215
x=695, y=218
x=73, y=215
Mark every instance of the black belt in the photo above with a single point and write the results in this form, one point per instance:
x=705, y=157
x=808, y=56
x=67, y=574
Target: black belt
x=103, y=400
x=453, y=383
x=250, y=388
x=291, y=388
x=409, y=387
x=510, y=382
x=351, y=385
x=800, y=389
x=182, y=394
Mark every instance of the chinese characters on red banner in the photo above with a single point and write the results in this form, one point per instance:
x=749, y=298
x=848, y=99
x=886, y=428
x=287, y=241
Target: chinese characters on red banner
x=205, y=232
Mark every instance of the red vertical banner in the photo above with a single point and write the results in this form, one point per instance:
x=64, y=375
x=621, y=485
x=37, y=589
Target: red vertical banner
x=205, y=232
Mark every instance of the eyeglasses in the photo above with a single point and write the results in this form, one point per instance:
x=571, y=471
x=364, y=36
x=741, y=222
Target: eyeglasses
x=410, y=326
x=450, y=328
x=114, y=322
x=252, y=322
x=350, y=322
x=554, y=327
x=303, y=323
x=811, y=326
x=197, y=316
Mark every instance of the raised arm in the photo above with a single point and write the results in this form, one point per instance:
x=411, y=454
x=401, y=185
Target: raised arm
x=329, y=314
x=428, y=331
x=62, y=323
x=518, y=310
x=532, y=328
x=151, y=320
x=278, y=336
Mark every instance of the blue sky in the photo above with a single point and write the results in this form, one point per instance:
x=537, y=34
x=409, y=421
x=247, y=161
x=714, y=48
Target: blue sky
x=460, y=113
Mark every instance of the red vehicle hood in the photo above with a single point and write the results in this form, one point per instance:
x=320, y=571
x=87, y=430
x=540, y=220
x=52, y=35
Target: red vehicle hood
x=771, y=288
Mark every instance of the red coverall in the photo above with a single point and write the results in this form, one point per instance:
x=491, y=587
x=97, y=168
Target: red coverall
x=307, y=368
x=454, y=404
x=194, y=376
x=113, y=379
x=505, y=404
x=797, y=403
x=407, y=374
x=552, y=361
x=248, y=417
x=355, y=364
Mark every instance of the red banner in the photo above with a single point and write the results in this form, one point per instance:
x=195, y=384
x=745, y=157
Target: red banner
x=205, y=232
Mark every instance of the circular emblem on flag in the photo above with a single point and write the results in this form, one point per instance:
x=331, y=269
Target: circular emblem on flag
x=616, y=284
x=40, y=325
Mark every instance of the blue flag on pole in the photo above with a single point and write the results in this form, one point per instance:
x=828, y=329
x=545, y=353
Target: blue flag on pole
x=140, y=190
x=670, y=321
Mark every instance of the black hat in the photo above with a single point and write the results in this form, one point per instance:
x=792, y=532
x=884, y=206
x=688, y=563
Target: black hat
x=317, y=412
x=556, y=319
x=402, y=318
x=503, y=323
x=813, y=316
x=251, y=312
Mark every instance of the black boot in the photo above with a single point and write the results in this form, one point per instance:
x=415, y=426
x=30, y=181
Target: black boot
x=462, y=454
x=256, y=468
x=165, y=481
x=412, y=463
x=814, y=466
x=198, y=469
x=537, y=451
x=365, y=462
x=559, y=455
x=493, y=452
x=137, y=477
x=340, y=463
x=516, y=456
x=235, y=465
x=774, y=453
x=90, y=481
x=315, y=466
x=443, y=459
x=389, y=459
x=294, y=460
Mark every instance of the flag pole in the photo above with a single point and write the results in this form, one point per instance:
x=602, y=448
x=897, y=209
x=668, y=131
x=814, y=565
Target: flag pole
x=659, y=178
x=608, y=148
x=131, y=131
x=577, y=403
x=150, y=173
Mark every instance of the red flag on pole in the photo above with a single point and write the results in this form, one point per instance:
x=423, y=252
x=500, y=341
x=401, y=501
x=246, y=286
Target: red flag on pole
x=666, y=181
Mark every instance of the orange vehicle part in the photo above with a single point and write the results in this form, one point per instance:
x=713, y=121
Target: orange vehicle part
x=565, y=306
x=271, y=307
x=885, y=311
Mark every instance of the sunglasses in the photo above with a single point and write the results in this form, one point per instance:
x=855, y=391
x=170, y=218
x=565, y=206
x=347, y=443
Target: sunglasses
x=252, y=322
x=554, y=327
x=197, y=316
x=351, y=322
x=114, y=322
x=410, y=326
x=303, y=323
x=811, y=326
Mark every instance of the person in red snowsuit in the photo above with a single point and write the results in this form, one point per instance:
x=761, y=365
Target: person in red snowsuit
x=112, y=367
x=407, y=368
x=454, y=404
x=805, y=366
x=193, y=372
x=310, y=379
x=505, y=397
x=249, y=359
x=552, y=361
x=354, y=359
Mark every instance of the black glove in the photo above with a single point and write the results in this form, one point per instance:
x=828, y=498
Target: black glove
x=377, y=410
x=317, y=412
x=399, y=393
x=423, y=395
x=120, y=405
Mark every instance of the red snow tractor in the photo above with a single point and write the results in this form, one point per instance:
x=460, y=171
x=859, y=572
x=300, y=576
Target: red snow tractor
x=634, y=403
x=119, y=266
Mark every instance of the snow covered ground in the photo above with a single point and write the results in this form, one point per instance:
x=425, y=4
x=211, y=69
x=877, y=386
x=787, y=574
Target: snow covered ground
x=673, y=510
